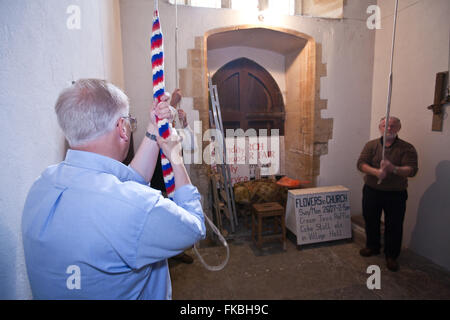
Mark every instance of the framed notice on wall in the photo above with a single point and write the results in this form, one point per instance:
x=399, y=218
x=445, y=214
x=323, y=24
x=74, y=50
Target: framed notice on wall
x=319, y=214
x=244, y=154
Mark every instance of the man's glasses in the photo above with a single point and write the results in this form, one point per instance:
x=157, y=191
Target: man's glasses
x=132, y=121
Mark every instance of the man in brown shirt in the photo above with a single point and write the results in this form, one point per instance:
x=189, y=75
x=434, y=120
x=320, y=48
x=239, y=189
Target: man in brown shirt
x=385, y=190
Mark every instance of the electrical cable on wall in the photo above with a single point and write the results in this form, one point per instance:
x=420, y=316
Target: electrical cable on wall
x=388, y=105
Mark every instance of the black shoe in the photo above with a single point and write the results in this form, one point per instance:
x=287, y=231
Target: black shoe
x=183, y=257
x=392, y=264
x=367, y=252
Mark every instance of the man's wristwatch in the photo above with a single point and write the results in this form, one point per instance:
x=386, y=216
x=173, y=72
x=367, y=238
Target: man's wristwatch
x=395, y=171
x=150, y=136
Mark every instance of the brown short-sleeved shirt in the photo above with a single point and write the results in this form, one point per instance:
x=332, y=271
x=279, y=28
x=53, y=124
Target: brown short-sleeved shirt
x=400, y=153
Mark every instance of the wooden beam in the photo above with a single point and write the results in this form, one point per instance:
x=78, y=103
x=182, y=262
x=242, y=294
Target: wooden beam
x=440, y=99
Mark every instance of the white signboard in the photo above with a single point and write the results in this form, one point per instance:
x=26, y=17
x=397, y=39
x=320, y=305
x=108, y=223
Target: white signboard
x=239, y=173
x=245, y=153
x=319, y=214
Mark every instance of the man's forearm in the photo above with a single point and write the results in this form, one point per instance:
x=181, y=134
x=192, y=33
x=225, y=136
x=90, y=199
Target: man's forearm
x=180, y=174
x=405, y=171
x=369, y=170
x=144, y=161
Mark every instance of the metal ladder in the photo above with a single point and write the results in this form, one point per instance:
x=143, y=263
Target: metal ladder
x=223, y=177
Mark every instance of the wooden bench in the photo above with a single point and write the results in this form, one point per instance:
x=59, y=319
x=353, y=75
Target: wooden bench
x=267, y=210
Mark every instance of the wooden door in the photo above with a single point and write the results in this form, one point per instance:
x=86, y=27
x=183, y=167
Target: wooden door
x=249, y=97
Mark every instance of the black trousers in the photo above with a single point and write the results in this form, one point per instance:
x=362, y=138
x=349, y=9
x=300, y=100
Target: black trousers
x=157, y=181
x=393, y=203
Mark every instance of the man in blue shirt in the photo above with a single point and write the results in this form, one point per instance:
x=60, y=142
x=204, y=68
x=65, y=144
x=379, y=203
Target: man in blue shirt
x=92, y=227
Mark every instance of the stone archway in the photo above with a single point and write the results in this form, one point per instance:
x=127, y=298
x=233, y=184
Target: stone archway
x=307, y=132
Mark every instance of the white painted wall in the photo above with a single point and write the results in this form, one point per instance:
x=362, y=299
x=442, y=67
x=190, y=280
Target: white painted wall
x=422, y=50
x=39, y=57
x=348, y=54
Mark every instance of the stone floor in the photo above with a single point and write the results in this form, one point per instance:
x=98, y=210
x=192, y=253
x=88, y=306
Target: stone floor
x=320, y=271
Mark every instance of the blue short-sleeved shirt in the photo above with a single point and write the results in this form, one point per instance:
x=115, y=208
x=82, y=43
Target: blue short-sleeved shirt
x=93, y=229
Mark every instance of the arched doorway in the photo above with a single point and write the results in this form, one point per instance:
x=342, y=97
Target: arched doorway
x=249, y=97
x=304, y=129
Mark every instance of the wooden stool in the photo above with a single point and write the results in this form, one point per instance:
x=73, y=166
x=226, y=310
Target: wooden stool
x=265, y=210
